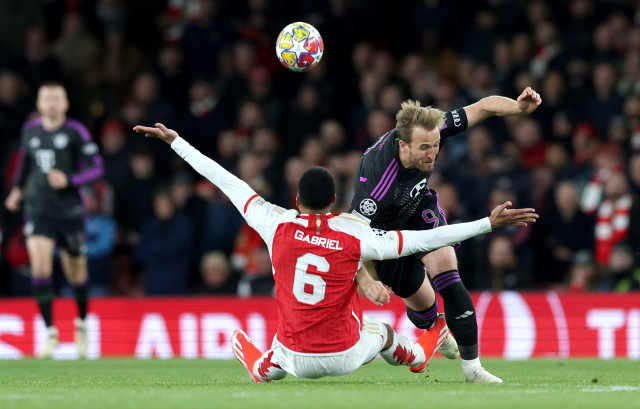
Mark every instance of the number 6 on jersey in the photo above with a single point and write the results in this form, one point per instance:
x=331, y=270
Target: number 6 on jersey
x=302, y=279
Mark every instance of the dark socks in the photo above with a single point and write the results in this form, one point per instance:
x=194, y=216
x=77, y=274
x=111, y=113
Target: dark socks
x=43, y=293
x=424, y=319
x=81, y=294
x=459, y=312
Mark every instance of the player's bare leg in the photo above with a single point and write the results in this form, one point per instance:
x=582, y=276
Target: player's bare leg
x=40, y=250
x=422, y=310
x=75, y=269
x=442, y=266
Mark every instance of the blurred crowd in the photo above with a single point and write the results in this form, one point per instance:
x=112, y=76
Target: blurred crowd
x=207, y=69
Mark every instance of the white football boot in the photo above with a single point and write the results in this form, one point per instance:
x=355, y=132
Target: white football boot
x=480, y=375
x=449, y=348
x=51, y=343
x=81, y=338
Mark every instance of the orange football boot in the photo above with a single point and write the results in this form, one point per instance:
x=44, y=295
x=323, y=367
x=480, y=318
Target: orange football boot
x=246, y=352
x=430, y=341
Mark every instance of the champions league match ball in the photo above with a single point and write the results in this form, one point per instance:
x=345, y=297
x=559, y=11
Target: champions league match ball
x=299, y=47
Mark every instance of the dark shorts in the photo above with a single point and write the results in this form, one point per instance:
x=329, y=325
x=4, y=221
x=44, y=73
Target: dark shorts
x=405, y=275
x=69, y=234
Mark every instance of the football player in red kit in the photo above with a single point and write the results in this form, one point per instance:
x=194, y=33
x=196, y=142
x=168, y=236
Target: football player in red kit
x=315, y=257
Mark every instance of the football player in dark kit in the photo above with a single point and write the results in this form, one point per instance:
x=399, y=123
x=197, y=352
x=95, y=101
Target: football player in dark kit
x=391, y=193
x=57, y=157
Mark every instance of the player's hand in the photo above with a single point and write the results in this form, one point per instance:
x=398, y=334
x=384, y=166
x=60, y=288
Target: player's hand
x=378, y=293
x=503, y=217
x=57, y=179
x=160, y=132
x=528, y=101
x=13, y=200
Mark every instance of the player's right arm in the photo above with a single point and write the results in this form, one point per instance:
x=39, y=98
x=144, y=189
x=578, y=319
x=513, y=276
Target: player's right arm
x=390, y=245
x=20, y=179
x=258, y=213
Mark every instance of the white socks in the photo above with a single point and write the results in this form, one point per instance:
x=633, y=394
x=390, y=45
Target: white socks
x=469, y=365
x=403, y=352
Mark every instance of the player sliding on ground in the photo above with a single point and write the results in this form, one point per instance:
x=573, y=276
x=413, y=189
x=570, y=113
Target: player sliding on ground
x=315, y=257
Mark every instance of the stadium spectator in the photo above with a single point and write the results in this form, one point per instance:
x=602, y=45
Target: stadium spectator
x=37, y=65
x=101, y=235
x=622, y=274
x=563, y=231
x=217, y=276
x=605, y=102
x=204, y=118
x=164, y=248
x=13, y=109
x=505, y=270
x=260, y=281
x=583, y=272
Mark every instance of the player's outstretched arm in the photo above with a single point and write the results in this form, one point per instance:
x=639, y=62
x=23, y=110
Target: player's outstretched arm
x=495, y=105
x=237, y=190
x=429, y=240
x=410, y=242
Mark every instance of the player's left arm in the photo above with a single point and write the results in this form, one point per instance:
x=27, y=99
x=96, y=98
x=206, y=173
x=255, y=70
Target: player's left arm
x=87, y=153
x=495, y=105
x=394, y=244
x=258, y=213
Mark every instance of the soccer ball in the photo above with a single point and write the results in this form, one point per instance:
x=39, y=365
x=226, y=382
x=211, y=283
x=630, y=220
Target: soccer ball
x=299, y=47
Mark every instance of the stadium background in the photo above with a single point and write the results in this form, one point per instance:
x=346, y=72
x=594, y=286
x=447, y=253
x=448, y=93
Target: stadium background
x=208, y=69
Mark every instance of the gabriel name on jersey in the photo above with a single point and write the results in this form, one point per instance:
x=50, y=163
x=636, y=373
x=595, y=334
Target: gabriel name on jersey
x=386, y=193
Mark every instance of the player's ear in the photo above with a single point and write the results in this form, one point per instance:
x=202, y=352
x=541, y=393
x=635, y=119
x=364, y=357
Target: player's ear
x=335, y=197
x=298, y=201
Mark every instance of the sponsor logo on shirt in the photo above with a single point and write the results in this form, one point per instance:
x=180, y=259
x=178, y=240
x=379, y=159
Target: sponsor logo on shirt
x=456, y=118
x=368, y=207
x=60, y=140
x=318, y=241
x=34, y=142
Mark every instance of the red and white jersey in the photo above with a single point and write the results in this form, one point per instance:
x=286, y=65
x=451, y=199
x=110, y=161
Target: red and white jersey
x=316, y=257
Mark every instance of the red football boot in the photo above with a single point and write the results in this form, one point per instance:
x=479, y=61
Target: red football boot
x=246, y=352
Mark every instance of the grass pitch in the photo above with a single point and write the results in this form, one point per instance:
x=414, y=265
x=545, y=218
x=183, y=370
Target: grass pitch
x=127, y=383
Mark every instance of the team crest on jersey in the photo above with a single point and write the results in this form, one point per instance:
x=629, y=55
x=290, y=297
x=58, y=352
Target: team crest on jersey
x=90, y=148
x=418, y=188
x=368, y=207
x=34, y=142
x=60, y=140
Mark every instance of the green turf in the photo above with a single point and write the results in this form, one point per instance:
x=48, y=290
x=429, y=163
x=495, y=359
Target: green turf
x=125, y=383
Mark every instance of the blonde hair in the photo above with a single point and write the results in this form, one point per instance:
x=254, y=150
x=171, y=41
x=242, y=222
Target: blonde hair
x=411, y=114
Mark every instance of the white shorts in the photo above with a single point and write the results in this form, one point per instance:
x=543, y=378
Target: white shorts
x=313, y=366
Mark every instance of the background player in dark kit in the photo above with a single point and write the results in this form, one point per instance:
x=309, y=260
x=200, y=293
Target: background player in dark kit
x=391, y=193
x=57, y=157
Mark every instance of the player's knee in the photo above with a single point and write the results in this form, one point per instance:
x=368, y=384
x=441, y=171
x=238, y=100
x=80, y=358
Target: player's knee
x=420, y=322
x=41, y=270
x=440, y=260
